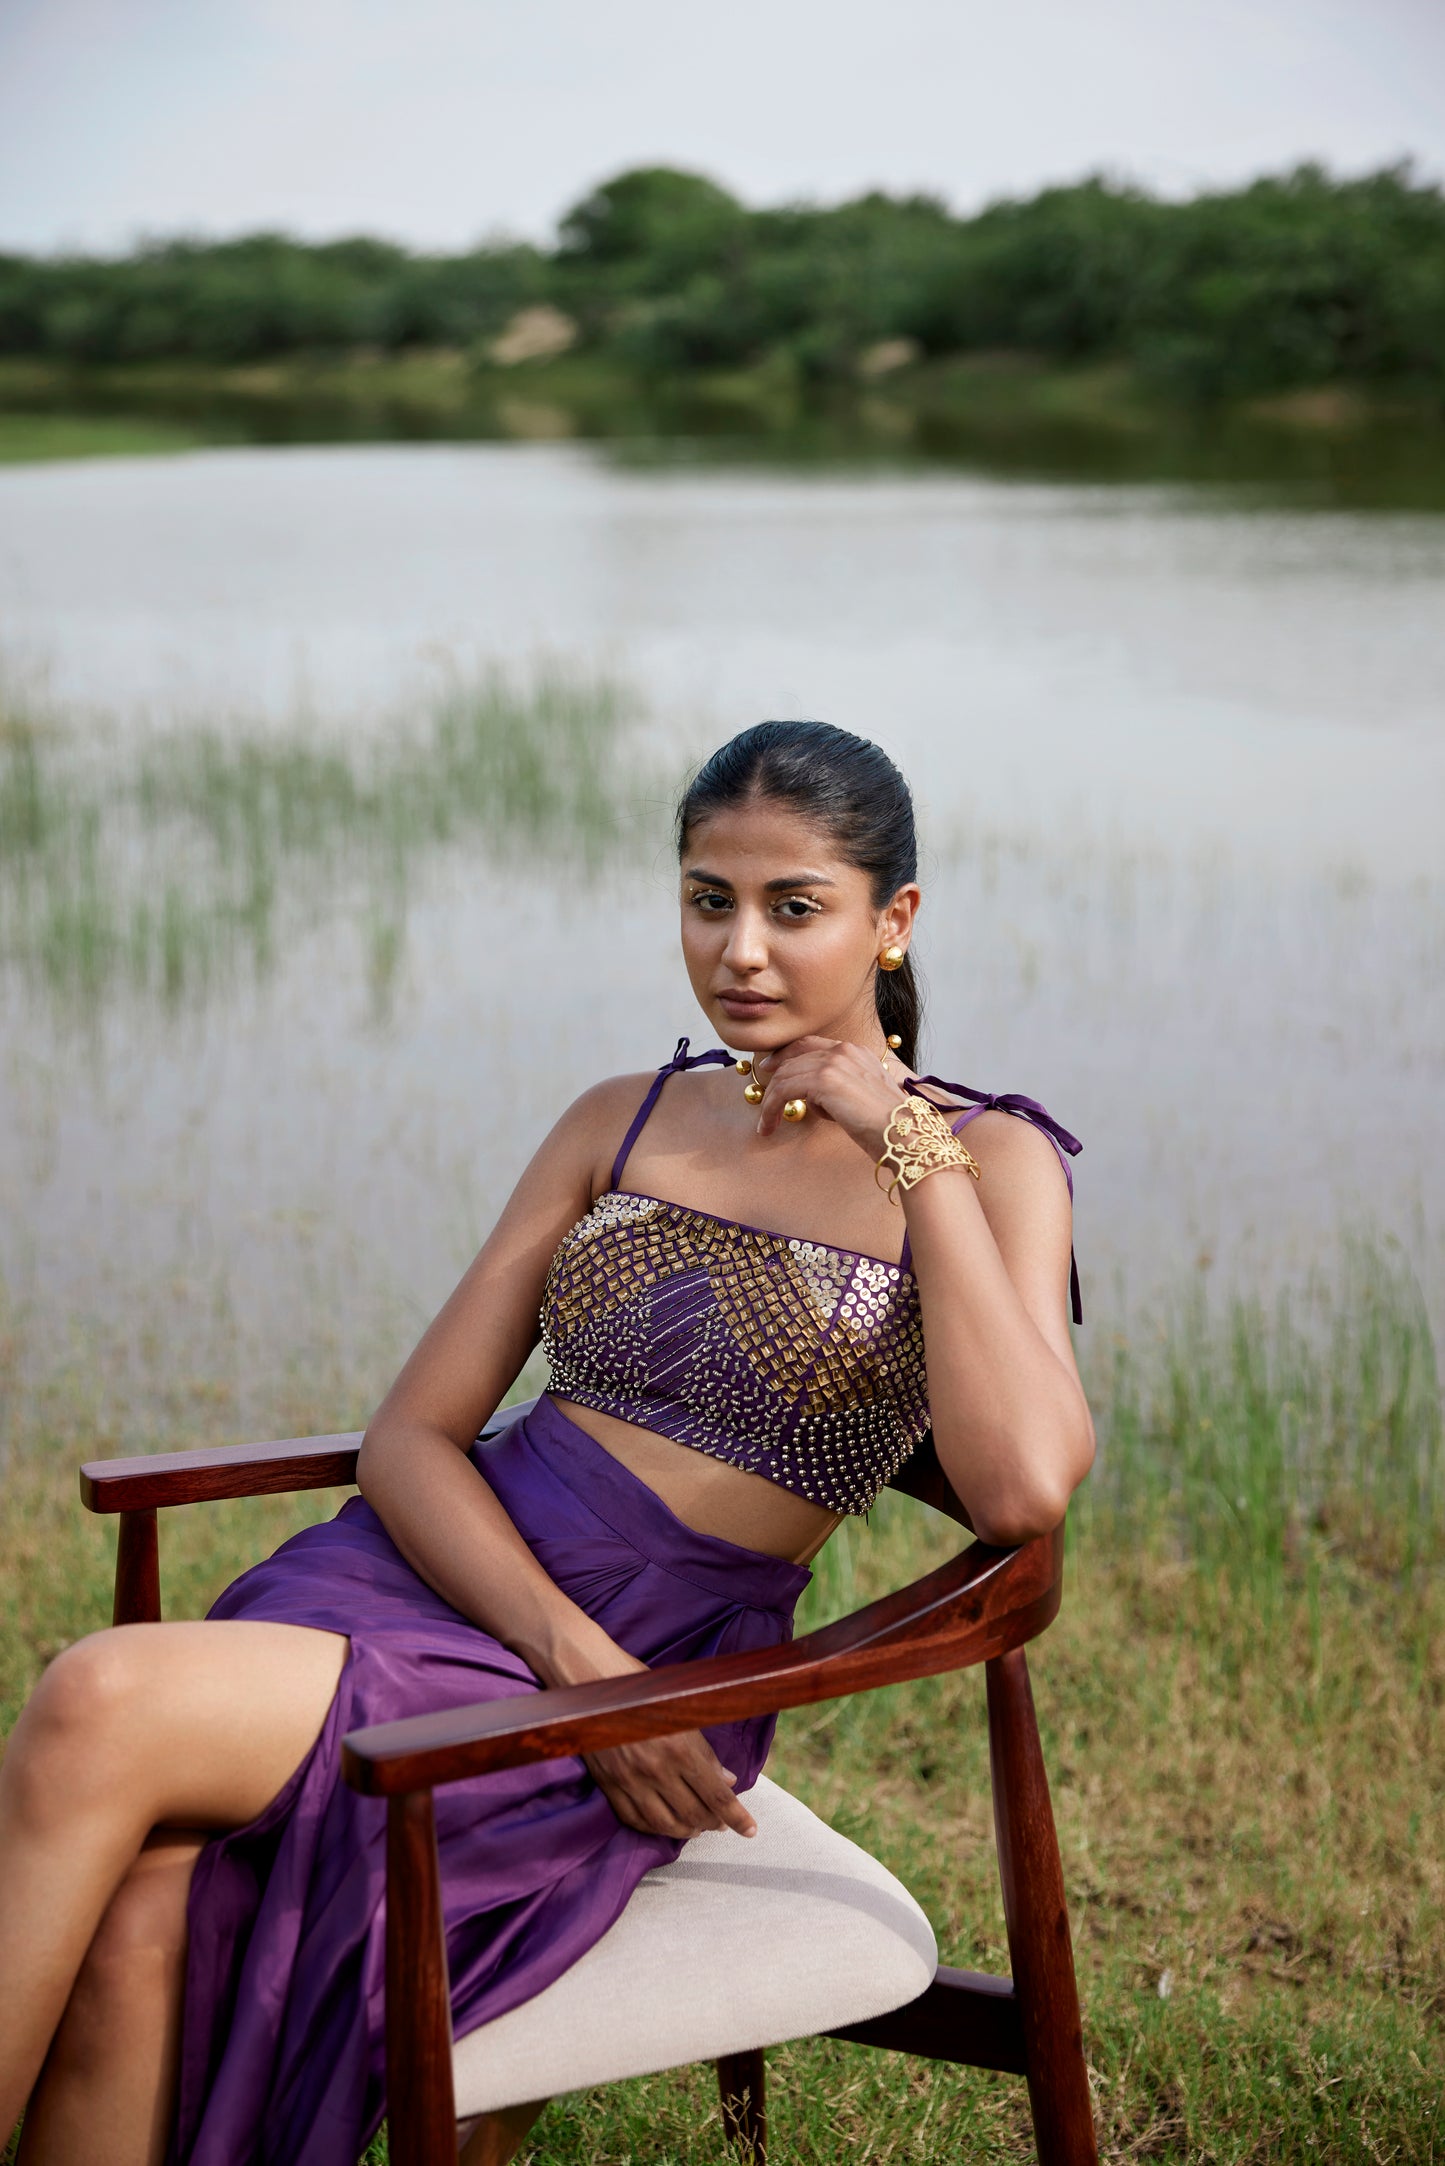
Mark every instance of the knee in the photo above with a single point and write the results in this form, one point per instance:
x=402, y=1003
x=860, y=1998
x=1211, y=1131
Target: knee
x=69, y=1743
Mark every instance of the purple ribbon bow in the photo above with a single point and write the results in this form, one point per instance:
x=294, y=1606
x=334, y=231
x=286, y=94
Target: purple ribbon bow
x=1024, y=1109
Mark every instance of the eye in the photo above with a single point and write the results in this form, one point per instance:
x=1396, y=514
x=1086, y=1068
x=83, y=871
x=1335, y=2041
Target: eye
x=705, y=899
x=796, y=907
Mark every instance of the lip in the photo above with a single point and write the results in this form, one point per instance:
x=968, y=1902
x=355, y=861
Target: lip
x=738, y=1003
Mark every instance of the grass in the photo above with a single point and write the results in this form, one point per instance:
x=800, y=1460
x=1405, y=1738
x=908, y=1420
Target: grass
x=166, y=869
x=1241, y=1705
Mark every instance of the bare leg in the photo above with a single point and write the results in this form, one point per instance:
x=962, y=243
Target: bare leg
x=112, y=2065
x=145, y=1726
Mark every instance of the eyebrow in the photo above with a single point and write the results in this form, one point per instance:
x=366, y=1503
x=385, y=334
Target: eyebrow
x=770, y=887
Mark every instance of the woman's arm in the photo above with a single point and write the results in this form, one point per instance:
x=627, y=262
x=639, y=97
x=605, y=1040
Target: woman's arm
x=1010, y=1423
x=414, y=1468
x=415, y=1472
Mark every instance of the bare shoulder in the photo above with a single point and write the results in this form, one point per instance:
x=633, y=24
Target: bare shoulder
x=592, y=1127
x=1023, y=1183
x=567, y=1172
x=1009, y=1140
x=602, y=1105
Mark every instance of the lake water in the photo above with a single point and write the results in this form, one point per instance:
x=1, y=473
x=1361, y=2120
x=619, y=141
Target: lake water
x=1180, y=766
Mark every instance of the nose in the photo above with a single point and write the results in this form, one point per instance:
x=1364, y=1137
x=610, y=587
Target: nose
x=747, y=944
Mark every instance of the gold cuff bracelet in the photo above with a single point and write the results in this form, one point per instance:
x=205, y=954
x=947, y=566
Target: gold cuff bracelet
x=916, y=1142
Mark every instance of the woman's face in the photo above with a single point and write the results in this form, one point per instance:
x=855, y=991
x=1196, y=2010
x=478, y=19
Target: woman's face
x=781, y=935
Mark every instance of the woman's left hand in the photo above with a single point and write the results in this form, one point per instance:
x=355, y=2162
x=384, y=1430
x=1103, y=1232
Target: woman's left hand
x=839, y=1081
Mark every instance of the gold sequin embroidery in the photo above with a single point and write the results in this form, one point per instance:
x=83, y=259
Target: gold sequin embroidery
x=801, y=1362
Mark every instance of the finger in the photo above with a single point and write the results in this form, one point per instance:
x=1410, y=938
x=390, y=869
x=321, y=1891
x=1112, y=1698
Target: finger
x=685, y=1771
x=713, y=1784
x=681, y=1816
x=795, y=1079
x=708, y=1803
x=782, y=1061
x=686, y=1791
x=770, y=1109
x=633, y=1797
x=650, y=1813
x=732, y=1813
x=695, y=1799
x=629, y=1805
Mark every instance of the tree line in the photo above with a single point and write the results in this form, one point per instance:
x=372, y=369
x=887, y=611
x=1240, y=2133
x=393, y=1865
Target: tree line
x=1298, y=279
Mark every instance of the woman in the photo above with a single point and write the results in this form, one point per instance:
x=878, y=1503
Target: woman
x=736, y=1310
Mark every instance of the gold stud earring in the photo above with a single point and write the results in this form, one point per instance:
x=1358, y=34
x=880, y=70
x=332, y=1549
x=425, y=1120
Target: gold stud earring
x=796, y=1109
x=890, y=959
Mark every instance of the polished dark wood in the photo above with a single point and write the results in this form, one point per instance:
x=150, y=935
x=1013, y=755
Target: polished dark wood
x=970, y=1610
x=236, y=1470
x=420, y=2101
x=226, y=1470
x=964, y=2015
x=137, y=1570
x=494, y=2139
x=1037, y=1918
x=742, y=2086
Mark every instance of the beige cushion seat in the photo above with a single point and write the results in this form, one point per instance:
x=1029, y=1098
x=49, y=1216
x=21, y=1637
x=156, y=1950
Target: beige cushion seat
x=736, y=1944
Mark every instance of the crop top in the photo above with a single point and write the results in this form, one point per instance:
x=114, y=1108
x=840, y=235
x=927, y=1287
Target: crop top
x=791, y=1359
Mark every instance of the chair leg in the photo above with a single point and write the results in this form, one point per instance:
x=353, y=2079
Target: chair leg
x=1038, y=1922
x=137, y=1570
x=494, y=2139
x=741, y=2082
x=420, y=2111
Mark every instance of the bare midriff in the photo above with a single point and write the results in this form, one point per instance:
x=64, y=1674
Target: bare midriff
x=707, y=1494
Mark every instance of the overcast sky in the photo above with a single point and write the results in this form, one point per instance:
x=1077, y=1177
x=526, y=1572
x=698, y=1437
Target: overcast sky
x=439, y=121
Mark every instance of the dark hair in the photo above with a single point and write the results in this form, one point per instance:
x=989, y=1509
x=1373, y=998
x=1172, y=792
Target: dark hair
x=852, y=790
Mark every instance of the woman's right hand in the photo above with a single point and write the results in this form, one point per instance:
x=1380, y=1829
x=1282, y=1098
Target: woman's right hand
x=674, y=1786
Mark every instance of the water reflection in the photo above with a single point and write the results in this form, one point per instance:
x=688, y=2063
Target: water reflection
x=1301, y=452
x=1179, y=772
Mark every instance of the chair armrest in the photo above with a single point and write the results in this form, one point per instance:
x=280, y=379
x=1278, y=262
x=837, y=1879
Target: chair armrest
x=980, y=1605
x=229, y=1470
x=236, y=1470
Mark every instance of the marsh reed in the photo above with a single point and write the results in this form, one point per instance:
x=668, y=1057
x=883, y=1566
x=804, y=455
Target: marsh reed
x=166, y=866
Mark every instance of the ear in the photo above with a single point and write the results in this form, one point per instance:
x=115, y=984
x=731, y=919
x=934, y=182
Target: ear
x=895, y=923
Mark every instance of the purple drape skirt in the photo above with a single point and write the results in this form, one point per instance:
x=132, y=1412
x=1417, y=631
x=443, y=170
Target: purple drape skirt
x=282, y=2056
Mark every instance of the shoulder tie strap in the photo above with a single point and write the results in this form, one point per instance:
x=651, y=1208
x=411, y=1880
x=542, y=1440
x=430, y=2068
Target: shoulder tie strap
x=681, y=1059
x=1026, y=1109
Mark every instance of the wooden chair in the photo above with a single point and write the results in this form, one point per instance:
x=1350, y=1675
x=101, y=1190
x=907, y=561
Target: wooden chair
x=983, y=1607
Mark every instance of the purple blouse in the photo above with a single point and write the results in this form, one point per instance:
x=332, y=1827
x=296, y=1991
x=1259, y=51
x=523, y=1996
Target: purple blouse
x=789, y=1358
